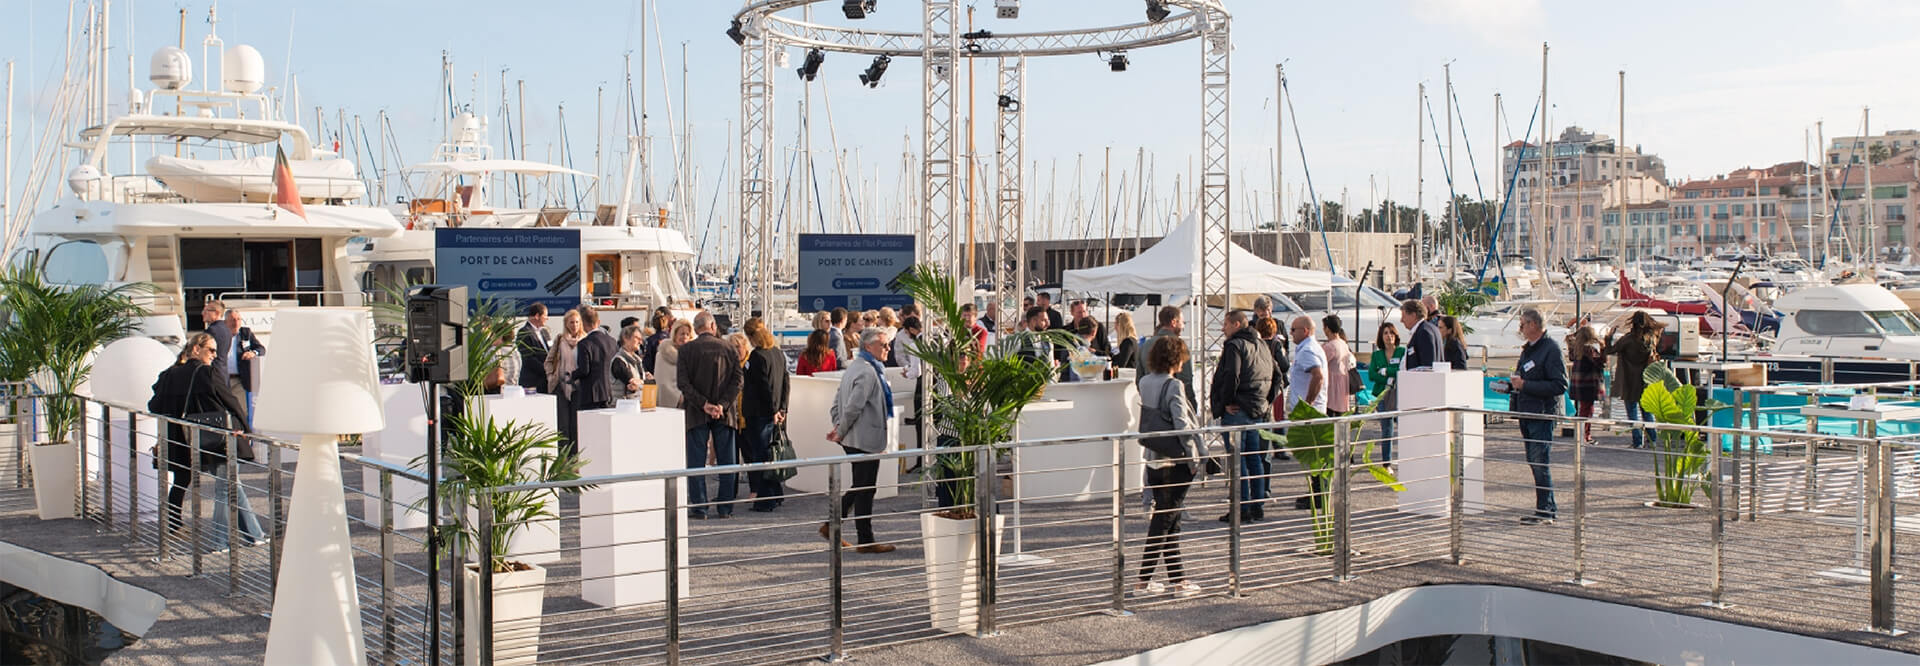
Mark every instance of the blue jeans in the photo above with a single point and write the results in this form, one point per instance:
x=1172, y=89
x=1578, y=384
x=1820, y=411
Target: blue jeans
x=722, y=436
x=1634, y=413
x=245, y=520
x=1387, y=427
x=1254, y=466
x=1539, y=436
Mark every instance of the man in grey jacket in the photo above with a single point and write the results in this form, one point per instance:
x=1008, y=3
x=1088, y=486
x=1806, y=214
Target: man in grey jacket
x=860, y=412
x=1168, y=325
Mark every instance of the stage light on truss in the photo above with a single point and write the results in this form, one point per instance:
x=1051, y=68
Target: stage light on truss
x=810, y=67
x=1009, y=103
x=871, y=77
x=1157, y=11
x=734, y=33
x=1118, y=61
x=857, y=9
x=1006, y=9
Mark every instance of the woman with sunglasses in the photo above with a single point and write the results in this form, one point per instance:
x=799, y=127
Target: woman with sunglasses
x=192, y=388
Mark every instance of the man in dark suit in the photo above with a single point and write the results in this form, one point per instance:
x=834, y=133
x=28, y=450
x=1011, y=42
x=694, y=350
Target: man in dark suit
x=1053, y=316
x=241, y=378
x=594, y=372
x=710, y=379
x=534, y=341
x=1423, y=342
x=1100, y=345
x=224, y=363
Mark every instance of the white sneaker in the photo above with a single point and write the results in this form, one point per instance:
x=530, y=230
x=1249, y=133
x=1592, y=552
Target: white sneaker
x=1149, y=588
x=1186, y=589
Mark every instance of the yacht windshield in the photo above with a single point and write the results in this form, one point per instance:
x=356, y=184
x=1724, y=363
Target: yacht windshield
x=1897, y=322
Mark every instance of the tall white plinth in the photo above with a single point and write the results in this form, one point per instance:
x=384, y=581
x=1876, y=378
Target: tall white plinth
x=810, y=418
x=399, y=444
x=1422, y=448
x=539, y=541
x=1082, y=470
x=623, y=552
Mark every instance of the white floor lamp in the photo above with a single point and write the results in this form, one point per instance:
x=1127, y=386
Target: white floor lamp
x=325, y=389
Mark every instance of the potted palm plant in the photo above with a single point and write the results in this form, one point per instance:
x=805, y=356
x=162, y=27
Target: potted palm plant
x=1680, y=457
x=1313, y=446
x=482, y=454
x=52, y=331
x=986, y=390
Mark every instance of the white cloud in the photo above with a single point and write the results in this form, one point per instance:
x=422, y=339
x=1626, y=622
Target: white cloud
x=1499, y=23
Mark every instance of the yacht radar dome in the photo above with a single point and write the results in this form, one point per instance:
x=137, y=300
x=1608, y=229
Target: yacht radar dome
x=82, y=178
x=170, y=69
x=468, y=130
x=243, y=70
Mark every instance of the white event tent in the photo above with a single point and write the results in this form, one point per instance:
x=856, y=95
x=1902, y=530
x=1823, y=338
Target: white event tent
x=1172, y=268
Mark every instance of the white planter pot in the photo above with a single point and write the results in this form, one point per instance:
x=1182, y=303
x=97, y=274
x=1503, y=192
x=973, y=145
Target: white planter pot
x=518, y=598
x=952, y=555
x=55, y=471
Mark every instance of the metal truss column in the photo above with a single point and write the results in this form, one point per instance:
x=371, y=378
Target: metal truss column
x=756, y=174
x=1216, y=200
x=940, y=205
x=1009, y=220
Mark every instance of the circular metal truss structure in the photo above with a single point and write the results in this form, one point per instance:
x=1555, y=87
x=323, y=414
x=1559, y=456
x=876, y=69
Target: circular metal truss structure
x=761, y=31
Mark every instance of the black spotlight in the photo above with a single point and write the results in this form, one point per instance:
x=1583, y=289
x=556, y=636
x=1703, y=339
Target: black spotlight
x=733, y=32
x=871, y=77
x=810, y=67
x=1009, y=103
x=857, y=9
x=1157, y=11
x=1118, y=62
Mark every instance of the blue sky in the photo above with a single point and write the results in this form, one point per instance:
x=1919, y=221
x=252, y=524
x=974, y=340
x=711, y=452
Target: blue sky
x=1711, y=85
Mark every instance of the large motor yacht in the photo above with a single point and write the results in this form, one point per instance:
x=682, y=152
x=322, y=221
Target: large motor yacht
x=179, y=192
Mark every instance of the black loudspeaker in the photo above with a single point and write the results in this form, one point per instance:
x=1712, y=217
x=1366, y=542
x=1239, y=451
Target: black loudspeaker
x=436, y=333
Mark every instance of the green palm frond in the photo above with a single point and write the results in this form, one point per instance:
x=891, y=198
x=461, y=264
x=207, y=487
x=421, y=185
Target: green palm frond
x=987, y=389
x=52, y=331
x=482, y=453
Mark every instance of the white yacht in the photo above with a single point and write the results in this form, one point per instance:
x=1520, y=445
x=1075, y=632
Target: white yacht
x=179, y=192
x=628, y=266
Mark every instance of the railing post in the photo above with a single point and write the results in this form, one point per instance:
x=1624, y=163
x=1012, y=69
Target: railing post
x=987, y=575
x=1811, y=488
x=1718, y=529
x=1882, y=561
x=166, y=515
x=231, y=472
x=106, y=464
x=1339, y=503
x=1579, y=513
x=836, y=592
x=673, y=567
x=1233, y=514
x=483, y=642
x=80, y=454
x=275, y=532
x=1753, y=459
x=16, y=392
x=133, y=475
x=387, y=655
x=195, y=433
x=1119, y=530
x=1456, y=490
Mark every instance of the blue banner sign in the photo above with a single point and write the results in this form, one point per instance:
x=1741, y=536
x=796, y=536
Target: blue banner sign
x=517, y=267
x=852, y=270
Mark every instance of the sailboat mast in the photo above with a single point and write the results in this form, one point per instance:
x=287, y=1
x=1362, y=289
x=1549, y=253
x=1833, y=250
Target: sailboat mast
x=1619, y=145
x=1866, y=199
x=1280, y=155
x=1420, y=181
x=1820, y=138
x=1453, y=203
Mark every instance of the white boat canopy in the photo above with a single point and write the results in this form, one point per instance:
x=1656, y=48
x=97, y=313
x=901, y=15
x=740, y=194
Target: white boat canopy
x=1172, y=268
x=498, y=166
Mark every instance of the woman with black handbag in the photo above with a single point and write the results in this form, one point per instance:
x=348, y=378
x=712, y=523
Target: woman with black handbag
x=192, y=392
x=763, y=406
x=1172, y=463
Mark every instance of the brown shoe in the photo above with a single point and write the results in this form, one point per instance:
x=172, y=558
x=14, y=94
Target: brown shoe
x=876, y=548
x=826, y=532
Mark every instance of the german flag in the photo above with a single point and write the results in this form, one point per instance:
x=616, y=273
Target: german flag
x=286, y=194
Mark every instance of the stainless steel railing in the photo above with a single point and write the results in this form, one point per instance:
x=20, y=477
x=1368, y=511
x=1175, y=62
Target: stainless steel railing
x=1805, y=530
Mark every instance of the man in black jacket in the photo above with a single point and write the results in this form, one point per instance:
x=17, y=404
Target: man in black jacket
x=1423, y=339
x=1100, y=345
x=593, y=373
x=1242, y=393
x=534, y=342
x=1539, y=380
x=710, y=379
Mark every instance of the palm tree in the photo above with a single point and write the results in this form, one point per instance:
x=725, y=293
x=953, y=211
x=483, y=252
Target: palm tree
x=986, y=390
x=52, y=330
x=482, y=454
